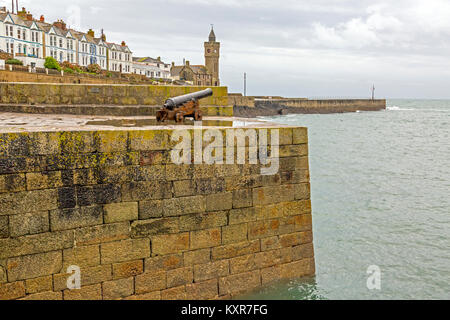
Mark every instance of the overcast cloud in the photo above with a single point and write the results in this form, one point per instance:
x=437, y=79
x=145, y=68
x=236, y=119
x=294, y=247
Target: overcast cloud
x=320, y=48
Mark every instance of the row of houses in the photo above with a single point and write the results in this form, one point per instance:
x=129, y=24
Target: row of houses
x=32, y=40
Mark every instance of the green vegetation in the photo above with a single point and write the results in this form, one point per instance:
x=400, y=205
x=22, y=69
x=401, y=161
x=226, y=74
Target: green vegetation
x=94, y=68
x=51, y=63
x=14, y=61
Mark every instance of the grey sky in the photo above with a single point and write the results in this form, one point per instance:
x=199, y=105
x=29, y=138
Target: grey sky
x=320, y=48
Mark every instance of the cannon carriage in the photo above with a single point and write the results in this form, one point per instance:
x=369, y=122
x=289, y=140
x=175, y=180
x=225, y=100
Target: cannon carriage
x=179, y=108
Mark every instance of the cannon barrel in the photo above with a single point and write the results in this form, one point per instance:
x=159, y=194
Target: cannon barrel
x=178, y=101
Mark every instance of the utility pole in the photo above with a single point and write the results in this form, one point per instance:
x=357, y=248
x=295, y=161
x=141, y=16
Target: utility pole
x=373, y=92
x=245, y=84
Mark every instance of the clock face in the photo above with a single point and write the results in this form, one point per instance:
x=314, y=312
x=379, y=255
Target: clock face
x=209, y=50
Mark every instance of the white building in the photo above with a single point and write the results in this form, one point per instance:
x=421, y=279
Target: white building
x=33, y=40
x=151, y=68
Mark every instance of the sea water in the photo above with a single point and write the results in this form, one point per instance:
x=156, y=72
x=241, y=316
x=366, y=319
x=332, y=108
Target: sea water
x=381, y=197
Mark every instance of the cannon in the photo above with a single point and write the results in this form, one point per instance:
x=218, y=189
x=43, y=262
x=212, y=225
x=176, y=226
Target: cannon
x=181, y=107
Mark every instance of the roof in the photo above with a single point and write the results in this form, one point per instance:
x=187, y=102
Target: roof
x=147, y=60
x=197, y=69
x=212, y=36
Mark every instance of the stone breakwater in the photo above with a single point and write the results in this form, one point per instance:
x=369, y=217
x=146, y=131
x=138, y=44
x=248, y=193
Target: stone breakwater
x=273, y=107
x=139, y=226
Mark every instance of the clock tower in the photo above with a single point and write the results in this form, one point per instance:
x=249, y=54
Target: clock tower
x=212, y=55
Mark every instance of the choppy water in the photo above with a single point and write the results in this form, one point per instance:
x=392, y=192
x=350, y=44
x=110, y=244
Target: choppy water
x=381, y=196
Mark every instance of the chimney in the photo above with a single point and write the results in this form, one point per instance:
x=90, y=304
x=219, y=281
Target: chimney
x=29, y=16
x=42, y=18
x=184, y=61
x=60, y=24
x=2, y=9
x=12, y=6
x=159, y=59
x=91, y=33
x=173, y=64
x=22, y=14
x=103, y=36
x=188, y=63
x=123, y=44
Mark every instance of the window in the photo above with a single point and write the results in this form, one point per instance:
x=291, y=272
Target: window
x=24, y=35
x=7, y=31
x=18, y=33
x=37, y=52
x=11, y=33
x=60, y=43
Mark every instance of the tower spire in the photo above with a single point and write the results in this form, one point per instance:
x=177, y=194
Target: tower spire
x=212, y=35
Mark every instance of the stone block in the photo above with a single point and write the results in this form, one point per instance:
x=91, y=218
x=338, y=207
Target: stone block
x=149, y=282
x=150, y=209
x=170, y=243
x=12, y=291
x=243, y=215
x=300, y=136
x=41, y=284
x=239, y=283
x=12, y=183
x=86, y=256
x=219, y=202
x=34, y=266
x=205, y=238
x=146, y=228
x=302, y=191
x=44, y=180
x=44, y=296
x=201, y=221
x=93, y=292
x=102, y=233
x=29, y=223
x=201, y=256
x=89, y=276
x=30, y=201
x=243, y=264
x=119, y=212
x=4, y=227
x=234, y=233
x=211, y=270
x=117, y=289
x=66, y=219
x=180, y=277
x=164, y=263
x=242, y=198
x=263, y=229
x=126, y=250
x=183, y=206
x=235, y=250
x=178, y=293
x=127, y=269
x=202, y=290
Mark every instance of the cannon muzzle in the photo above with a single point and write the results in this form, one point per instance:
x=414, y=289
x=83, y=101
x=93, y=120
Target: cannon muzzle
x=178, y=101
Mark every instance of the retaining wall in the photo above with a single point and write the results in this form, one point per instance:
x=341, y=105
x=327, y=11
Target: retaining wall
x=141, y=227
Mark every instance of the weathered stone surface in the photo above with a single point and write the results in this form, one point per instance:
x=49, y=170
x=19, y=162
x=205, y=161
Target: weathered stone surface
x=39, y=284
x=28, y=245
x=178, y=293
x=148, y=282
x=219, y=202
x=126, y=250
x=270, y=195
x=146, y=228
x=149, y=140
x=234, y=233
x=297, y=269
x=179, y=277
x=119, y=212
x=263, y=229
x=201, y=256
x=184, y=188
x=12, y=183
x=150, y=209
x=33, y=266
x=67, y=219
x=205, y=238
x=127, y=269
x=183, y=206
x=86, y=256
x=201, y=221
x=44, y=180
x=302, y=191
x=300, y=136
x=242, y=198
x=146, y=190
x=211, y=270
x=164, y=263
x=235, y=250
x=44, y=296
x=11, y=291
x=29, y=201
x=203, y=290
x=243, y=215
x=239, y=283
x=270, y=243
x=243, y=264
x=4, y=227
x=270, y=275
x=170, y=243
x=156, y=295
x=303, y=251
x=98, y=194
x=117, y=289
x=93, y=292
x=29, y=223
x=102, y=233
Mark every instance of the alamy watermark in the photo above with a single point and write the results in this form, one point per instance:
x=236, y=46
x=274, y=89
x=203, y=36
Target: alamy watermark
x=211, y=146
x=374, y=279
